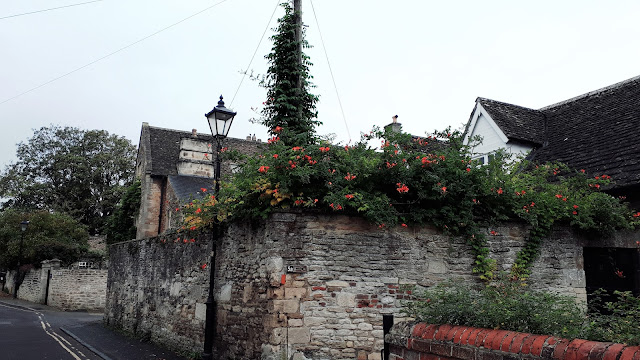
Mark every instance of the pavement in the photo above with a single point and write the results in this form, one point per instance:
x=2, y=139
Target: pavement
x=88, y=329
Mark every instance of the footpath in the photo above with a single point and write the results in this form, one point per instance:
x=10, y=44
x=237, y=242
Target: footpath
x=88, y=329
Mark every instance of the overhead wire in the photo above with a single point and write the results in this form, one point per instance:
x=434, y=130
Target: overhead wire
x=255, y=52
x=50, y=9
x=112, y=53
x=344, y=118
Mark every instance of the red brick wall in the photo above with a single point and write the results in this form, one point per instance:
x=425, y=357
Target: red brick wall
x=420, y=341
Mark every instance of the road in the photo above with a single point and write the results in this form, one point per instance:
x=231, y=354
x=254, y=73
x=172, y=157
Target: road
x=34, y=334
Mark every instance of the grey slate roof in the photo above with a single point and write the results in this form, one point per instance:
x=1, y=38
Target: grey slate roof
x=164, y=148
x=598, y=131
x=517, y=122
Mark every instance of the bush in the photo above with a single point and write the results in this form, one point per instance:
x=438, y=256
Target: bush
x=503, y=304
x=616, y=321
x=511, y=305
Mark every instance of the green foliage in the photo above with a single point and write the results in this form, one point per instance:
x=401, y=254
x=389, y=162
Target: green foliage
x=509, y=304
x=48, y=236
x=289, y=105
x=121, y=225
x=504, y=304
x=64, y=169
x=615, y=321
x=416, y=181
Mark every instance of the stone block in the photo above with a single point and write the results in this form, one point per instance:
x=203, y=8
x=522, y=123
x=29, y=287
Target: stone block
x=201, y=311
x=286, y=306
x=299, y=335
x=274, y=264
x=295, y=293
x=374, y=356
x=278, y=336
x=437, y=267
x=346, y=300
x=295, y=322
x=224, y=295
x=315, y=321
x=337, y=283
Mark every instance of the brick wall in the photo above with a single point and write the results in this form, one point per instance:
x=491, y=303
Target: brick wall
x=420, y=341
x=349, y=273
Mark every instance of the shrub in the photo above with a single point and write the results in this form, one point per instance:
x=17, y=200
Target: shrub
x=511, y=305
x=503, y=304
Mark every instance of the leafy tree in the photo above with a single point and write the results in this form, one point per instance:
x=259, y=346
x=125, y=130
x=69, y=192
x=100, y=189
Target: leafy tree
x=48, y=236
x=65, y=169
x=290, y=110
x=121, y=225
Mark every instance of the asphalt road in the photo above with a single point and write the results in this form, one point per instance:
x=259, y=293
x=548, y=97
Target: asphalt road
x=34, y=334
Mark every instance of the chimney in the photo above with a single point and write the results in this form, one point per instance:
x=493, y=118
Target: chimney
x=194, y=133
x=395, y=126
x=253, y=138
x=248, y=137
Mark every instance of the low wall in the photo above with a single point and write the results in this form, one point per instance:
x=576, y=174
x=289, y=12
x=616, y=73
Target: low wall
x=69, y=289
x=305, y=286
x=420, y=341
x=74, y=289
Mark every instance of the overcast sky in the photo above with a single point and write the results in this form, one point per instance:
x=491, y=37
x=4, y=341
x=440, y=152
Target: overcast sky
x=425, y=61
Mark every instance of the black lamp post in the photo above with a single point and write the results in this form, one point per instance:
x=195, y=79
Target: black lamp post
x=23, y=227
x=220, y=119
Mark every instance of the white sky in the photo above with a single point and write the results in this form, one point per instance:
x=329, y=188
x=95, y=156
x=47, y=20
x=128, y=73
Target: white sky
x=426, y=61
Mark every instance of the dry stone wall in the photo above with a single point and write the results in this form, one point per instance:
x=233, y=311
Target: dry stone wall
x=305, y=286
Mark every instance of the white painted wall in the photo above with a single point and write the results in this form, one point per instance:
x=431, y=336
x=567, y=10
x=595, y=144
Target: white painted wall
x=492, y=140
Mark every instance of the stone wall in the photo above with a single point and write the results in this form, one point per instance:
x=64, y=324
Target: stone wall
x=33, y=287
x=305, y=286
x=73, y=289
x=157, y=287
x=423, y=341
x=69, y=289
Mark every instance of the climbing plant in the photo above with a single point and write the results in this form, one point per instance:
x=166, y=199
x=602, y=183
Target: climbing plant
x=411, y=181
x=290, y=109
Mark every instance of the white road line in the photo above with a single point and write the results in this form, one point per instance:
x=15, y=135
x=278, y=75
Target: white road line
x=49, y=331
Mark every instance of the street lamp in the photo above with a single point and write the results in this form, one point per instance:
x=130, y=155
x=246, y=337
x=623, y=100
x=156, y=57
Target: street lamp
x=220, y=119
x=23, y=227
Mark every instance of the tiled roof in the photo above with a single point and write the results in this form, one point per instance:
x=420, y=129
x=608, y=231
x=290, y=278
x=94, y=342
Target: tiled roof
x=164, y=146
x=516, y=122
x=599, y=132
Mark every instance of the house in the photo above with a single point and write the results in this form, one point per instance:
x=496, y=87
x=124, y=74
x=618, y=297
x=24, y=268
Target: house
x=173, y=166
x=597, y=131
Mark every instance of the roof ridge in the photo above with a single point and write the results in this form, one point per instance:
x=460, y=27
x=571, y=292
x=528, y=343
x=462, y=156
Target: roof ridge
x=506, y=103
x=174, y=130
x=591, y=93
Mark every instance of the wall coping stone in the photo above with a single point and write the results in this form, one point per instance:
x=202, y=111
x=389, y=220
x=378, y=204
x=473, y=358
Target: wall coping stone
x=420, y=340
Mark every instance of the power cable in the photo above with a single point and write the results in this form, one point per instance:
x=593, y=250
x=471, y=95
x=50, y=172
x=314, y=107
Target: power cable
x=330, y=70
x=255, y=52
x=55, y=8
x=110, y=54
